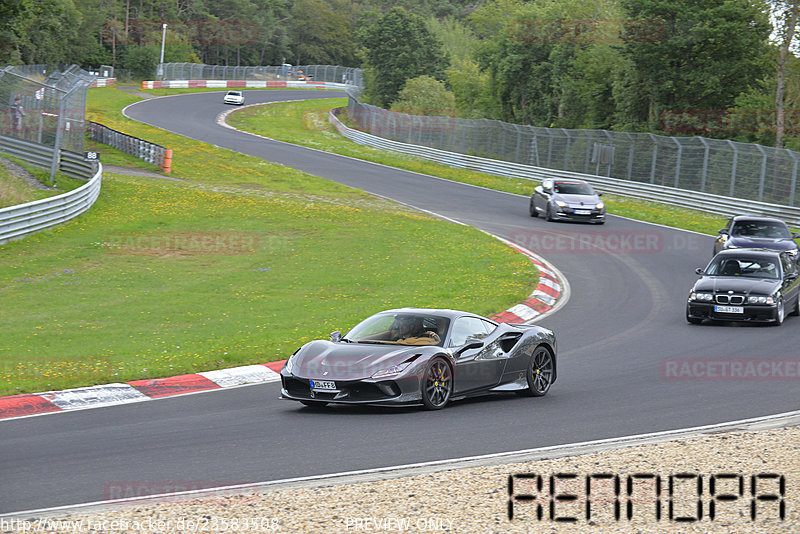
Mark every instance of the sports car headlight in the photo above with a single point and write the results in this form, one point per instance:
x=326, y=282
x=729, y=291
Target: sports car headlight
x=561, y=204
x=708, y=297
x=396, y=370
x=600, y=205
x=758, y=299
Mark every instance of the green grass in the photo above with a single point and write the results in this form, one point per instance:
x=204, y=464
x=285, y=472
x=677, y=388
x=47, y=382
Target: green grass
x=14, y=190
x=131, y=290
x=306, y=123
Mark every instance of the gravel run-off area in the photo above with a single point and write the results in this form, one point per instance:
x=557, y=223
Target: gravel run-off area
x=476, y=500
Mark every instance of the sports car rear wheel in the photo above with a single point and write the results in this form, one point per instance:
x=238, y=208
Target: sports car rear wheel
x=437, y=384
x=540, y=372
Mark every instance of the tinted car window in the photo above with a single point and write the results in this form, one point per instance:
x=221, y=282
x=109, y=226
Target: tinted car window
x=465, y=328
x=568, y=188
x=771, y=229
x=746, y=267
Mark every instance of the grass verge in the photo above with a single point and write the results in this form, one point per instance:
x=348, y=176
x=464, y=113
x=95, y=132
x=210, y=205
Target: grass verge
x=240, y=262
x=306, y=123
x=15, y=190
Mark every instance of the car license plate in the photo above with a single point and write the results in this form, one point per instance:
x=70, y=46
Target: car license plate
x=583, y=212
x=322, y=384
x=728, y=309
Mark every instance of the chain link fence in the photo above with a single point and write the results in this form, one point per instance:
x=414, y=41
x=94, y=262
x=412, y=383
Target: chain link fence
x=44, y=104
x=714, y=166
x=317, y=73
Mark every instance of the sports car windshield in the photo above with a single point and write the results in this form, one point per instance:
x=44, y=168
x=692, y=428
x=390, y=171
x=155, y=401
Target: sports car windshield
x=770, y=229
x=401, y=328
x=745, y=267
x=568, y=188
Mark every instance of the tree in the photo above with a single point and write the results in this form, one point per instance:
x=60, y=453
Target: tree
x=550, y=62
x=13, y=14
x=425, y=95
x=398, y=47
x=707, y=53
x=786, y=13
x=320, y=33
x=49, y=31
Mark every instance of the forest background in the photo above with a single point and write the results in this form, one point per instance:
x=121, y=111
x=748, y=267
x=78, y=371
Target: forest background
x=716, y=68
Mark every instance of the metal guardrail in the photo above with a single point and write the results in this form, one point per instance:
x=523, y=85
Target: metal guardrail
x=144, y=150
x=716, y=204
x=21, y=220
x=69, y=163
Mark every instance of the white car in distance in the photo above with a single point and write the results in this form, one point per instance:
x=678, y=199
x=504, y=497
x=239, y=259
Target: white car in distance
x=234, y=97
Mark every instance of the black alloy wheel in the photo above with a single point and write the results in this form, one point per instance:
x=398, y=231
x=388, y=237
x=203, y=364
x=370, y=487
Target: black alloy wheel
x=540, y=372
x=437, y=384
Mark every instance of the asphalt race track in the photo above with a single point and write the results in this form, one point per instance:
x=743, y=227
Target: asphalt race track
x=623, y=322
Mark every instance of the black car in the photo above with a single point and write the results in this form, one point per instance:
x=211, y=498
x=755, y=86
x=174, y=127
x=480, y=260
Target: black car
x=567, y=199
x=745, y=231
x=757, y=285
x=421, y=356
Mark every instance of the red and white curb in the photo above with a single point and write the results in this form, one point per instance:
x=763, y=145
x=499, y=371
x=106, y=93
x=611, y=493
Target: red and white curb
x=550, y=289
x=238, y=84
x=138, y=390
x=103, y=82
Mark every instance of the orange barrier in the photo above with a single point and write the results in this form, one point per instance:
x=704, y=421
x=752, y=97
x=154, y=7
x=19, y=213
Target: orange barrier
x=167, y=165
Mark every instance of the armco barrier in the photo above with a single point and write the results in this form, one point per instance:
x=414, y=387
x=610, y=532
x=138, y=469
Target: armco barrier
x=677, y=197
x=69, y=163
x=144, y=150
x=19, y=221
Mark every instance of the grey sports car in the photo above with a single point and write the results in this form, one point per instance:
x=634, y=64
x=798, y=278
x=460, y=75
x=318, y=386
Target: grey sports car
x=567, y=199
x=421, y=356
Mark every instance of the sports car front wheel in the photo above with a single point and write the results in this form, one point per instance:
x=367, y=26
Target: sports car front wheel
x=437, y=384
x=540, y=372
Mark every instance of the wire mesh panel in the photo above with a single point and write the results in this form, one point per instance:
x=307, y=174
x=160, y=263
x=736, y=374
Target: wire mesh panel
x=714, y=166
x=318, y=73
x=40, y=104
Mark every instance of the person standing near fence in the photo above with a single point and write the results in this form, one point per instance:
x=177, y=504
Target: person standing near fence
x=18, y=112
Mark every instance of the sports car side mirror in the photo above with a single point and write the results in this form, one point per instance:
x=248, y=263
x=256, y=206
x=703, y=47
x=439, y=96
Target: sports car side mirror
x=795, y=236
x=699, y=271
x=474, y=344
x=336, y=336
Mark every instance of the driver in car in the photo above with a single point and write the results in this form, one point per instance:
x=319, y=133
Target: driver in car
x=410, y=330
